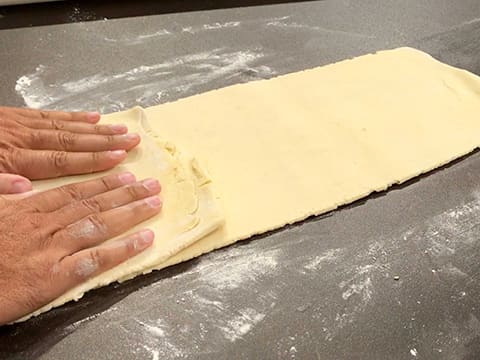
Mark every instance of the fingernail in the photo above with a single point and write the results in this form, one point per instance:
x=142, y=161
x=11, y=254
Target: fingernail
x=93, y=116
x=117, y=154
x=21, y=186
x=131, y=137
x=119, y=128
x=151, y=184
x=127, y=178
x=154, y=202
x=145, y=239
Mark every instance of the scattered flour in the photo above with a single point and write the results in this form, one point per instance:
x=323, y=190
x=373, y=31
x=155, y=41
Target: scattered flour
x=239, y=270
x=230, y=271
x=32, y=89
x=281, y=23
x=470, y=22
x=452, y=270
x=142, y=38
x=446, y=233
x=327, y=257
x=203, y=315
x=360, y=284
x=192, y=29
x=87, y=319
x=464, y=24
x=84, y=320
x=359, y=288
x=139, y=39
x=234, y=268
x=155, y=353
x=241, y=324
x=154, y=330
x=144, y=85
x=157, y=342
x=212, y=26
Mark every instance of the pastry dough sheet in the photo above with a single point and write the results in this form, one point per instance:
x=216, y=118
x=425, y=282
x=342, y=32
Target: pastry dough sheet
x=302, y=144
x=190, y=209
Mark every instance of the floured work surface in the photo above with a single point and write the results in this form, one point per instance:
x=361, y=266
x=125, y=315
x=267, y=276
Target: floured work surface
x=303, y=144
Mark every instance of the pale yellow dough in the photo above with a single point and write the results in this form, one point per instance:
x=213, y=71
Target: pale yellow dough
x=302, y=144
x=190, y=209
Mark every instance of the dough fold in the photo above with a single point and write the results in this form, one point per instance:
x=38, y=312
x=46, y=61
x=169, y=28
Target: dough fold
x=190, y=209
x=298, y=145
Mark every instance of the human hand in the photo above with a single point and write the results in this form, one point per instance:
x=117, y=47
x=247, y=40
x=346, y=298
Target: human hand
x=14, y=184
x=46, y=144
x=52, y=241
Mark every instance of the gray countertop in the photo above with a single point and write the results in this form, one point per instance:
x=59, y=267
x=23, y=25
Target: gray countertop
x=322, y=289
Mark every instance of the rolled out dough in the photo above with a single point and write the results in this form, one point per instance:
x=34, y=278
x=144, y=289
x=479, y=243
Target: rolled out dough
x=302, y=144
x=190, y=209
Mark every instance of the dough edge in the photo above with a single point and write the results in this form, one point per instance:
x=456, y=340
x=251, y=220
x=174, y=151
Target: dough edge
x=207, y=202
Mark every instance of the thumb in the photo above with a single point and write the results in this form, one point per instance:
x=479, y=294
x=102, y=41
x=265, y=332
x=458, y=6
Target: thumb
x=14, y=184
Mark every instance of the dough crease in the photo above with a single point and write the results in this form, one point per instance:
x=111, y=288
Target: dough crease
x=284, y=149
x=190, y=209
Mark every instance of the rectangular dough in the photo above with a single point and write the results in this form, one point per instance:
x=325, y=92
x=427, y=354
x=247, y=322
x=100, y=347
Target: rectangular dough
x=302, y=144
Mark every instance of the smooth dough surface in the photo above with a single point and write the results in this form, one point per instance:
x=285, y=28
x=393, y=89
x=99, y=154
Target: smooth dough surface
x=302, y=144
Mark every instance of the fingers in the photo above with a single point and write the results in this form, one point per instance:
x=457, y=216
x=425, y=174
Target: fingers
x=77, y=268
x=101, y=226
x=14, y=184
x=76, y=211
x=14, y=187
x=74, y=126
x=55, y=199
x=16, y=197
x=44, y=164
x=68, y=141
x=88, y=117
